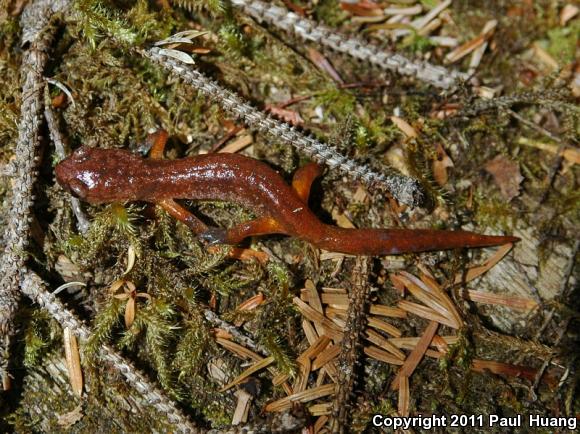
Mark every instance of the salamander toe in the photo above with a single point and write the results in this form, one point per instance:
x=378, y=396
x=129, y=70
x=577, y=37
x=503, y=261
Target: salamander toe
x=214, y=236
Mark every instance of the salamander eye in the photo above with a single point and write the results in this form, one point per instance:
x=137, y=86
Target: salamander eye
x=77, y=188
x=81, y=154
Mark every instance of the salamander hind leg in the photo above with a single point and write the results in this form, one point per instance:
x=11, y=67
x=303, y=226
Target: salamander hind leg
x=183, y=215
x=236, y=234
x=158, y=141
x=303, y=179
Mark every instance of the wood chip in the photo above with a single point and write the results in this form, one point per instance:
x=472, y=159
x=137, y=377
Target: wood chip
x=329, y=354
x=312, y=336
x=257, y=366
x=315, y=348
x=332, y=256
x=430, y=299
x=242, y=407
x=429, y=285
x=426, y=312
x=309, y=331
x=431, y=27
x=405, y=127
x=444, y=41
x=381, y=355
x=131, y=256
x=319, y=424
x=518, y=303
x=410, y=343
x=417, y=354
x=305, y=362
x=238, y=144
x=544, y=57
x=404, y=396
x=440, y=166
x=321, y=409
x=477, y=271
x=375, y=309
x=570, y=154
x=73, y=361
x=330, y=328
x=239, y=350
x=567, y=13
x=252, y=302
x=479, y=51
x=379, y=324
x=383, y=343
x=324, y=64
x=304, y=368
x=305, y=396
x=412, y=10
x=360, y=195
x=333, y=290
x=419, y=23
x=464, y=49
x=440, y=344
x=341, y=219
x=388, y=311
x=130, y=312
x=335, y=299
x=279, y=379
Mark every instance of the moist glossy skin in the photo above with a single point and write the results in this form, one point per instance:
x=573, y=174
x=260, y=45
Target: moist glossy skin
x=102, y=176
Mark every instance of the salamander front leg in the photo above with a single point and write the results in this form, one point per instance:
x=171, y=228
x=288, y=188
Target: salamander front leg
x=303, y=179
x=183, y=215
x=261, y=226
x=158, y=141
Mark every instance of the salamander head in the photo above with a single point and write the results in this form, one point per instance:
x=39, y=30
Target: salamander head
x=98, y=175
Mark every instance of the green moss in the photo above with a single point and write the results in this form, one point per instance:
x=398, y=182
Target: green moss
x=492, y=211
x=40, y=335
x=119, y=97
x=329, y=12
x=215, y=7
x=563, y=42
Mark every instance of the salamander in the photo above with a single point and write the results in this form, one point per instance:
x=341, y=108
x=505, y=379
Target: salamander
x=110, y=175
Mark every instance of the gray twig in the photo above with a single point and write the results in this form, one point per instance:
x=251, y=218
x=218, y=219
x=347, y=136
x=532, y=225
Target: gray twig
x=38, y=34
x=35, y=288
x=404, y=189
x=57, y=139
x=235, y=332
x=357, y=48
x=350, y=346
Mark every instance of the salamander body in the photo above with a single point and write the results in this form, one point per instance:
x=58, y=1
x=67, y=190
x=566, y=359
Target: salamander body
x=106, y=175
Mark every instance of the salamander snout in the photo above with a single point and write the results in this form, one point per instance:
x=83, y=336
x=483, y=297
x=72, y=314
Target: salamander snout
x=71, y=175
x=69, y=179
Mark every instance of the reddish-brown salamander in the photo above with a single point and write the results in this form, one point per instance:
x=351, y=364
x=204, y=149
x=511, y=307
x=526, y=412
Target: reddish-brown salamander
x=106, y=175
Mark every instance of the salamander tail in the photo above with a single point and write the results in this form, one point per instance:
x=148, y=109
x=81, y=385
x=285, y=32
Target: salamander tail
x=396, y=241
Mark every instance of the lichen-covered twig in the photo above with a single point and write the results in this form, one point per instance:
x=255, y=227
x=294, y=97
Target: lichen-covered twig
x=357, y=48
x=35, y=288
x=239, y=336
x=57, y=139
x=16, y=236
x=350, y=346
x=36, y=16
x=404, y=189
